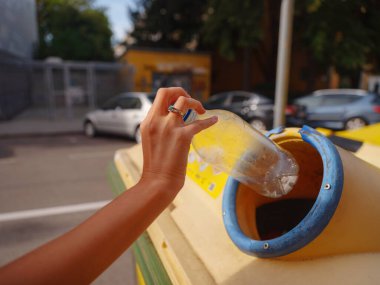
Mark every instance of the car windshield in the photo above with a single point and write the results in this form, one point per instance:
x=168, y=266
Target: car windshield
x=264, y=100
x=217, y=98
x=110, y=104
x=239, y=98
x=254, y=97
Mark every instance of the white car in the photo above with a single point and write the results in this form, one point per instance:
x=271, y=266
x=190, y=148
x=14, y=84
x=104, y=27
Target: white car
x=121, y=114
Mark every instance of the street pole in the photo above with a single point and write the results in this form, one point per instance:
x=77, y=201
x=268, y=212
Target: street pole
x=283, y=61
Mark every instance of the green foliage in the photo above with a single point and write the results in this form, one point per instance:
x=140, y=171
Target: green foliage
x=340, y=33
x=233, y=24
x=224, y=24
x=165, y=23
x=72, y=29
x=221, y=24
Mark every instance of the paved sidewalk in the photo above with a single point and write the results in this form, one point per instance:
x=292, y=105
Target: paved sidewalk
x=36, y=122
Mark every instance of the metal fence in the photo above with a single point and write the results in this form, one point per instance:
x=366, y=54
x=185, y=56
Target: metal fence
x=60, y=87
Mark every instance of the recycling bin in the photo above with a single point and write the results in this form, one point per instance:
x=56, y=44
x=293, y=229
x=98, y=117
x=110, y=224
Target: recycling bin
x=217, y=231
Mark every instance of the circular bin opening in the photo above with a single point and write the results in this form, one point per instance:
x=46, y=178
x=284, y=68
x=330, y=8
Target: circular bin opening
x=267, y=227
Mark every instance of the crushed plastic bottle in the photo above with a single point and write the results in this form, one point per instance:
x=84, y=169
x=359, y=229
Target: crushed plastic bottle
x=235, y=147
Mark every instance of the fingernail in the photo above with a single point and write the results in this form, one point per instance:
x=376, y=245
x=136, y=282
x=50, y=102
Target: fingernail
x=214, y=118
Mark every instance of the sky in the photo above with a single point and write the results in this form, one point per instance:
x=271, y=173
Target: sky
x=117, y=13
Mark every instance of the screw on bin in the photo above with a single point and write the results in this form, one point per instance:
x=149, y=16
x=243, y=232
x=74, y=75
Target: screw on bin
x=327, y=186
x=266, y=245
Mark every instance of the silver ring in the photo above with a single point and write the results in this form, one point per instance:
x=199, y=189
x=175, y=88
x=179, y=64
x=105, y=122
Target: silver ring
x=175, y=110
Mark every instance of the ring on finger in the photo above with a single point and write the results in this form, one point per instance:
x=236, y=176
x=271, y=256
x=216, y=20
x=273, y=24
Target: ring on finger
x=175, y=110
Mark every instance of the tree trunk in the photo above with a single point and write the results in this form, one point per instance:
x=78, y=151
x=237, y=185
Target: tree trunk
x=334, y=78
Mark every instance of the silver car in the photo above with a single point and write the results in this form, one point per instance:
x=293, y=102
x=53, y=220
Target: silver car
x=338, y=109
x=120, y=115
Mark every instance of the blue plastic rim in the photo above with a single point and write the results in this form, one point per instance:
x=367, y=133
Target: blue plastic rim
x=311, y=225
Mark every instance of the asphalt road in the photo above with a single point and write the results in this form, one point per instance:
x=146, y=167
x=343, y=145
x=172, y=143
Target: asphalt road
x=57, y=179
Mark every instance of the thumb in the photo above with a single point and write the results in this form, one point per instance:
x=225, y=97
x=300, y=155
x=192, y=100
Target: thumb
x=199, y=125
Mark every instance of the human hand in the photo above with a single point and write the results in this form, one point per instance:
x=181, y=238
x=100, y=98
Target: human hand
x=166, y=139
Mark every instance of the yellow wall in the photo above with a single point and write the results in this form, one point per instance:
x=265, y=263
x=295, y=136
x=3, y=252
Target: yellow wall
x=147, y=62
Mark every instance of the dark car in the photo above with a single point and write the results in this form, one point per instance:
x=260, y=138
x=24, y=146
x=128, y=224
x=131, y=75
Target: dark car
x=337, y=109
x=254, y=108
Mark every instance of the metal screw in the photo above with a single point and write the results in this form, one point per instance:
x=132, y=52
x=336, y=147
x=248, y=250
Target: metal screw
x=327, y=186
x=266, y=245
x=224, y=213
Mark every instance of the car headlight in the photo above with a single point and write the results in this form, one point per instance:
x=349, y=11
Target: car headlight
x=253, y=107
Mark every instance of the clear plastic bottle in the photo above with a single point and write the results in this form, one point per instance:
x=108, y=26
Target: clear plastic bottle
x=243, y=152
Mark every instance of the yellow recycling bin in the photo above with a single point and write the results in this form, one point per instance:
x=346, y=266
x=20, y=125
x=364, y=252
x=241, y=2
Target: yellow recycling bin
x=216, y=231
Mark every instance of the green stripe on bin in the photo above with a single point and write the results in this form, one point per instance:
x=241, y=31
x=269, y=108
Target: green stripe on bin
x=115, y=180
x=150, y=264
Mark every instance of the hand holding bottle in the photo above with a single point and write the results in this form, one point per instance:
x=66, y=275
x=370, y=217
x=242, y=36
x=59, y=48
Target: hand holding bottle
x=166, y=138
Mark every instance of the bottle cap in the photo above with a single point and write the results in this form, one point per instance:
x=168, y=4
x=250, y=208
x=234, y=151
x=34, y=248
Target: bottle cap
x=190, y=116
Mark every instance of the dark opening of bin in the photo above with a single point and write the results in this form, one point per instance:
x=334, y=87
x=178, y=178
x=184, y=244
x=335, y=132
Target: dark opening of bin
x=263, y=218
x=277, y=218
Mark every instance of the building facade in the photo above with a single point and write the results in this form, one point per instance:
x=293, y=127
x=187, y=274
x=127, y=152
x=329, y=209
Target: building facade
x=155, y=68
x=18, y=38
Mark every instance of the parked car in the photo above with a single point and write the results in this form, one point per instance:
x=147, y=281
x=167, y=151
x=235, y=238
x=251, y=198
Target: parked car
x=337, y=109
x=252, y=107
x=121, y=114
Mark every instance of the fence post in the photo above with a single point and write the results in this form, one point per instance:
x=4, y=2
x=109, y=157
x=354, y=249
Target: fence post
x=66, y=82
x=50, y=96
x=91, y=86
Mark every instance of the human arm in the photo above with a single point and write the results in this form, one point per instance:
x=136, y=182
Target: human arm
x=80, y=255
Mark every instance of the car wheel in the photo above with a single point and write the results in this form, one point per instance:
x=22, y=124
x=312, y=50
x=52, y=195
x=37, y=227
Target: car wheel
x=258, y=124
x=355, y=123
x=138, y=135
x=89, y=129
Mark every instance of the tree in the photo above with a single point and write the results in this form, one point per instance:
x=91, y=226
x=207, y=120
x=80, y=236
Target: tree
x=234, y=25
x=340, y=34
x=227, y=26
x=168, y=24
x=73, y=30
